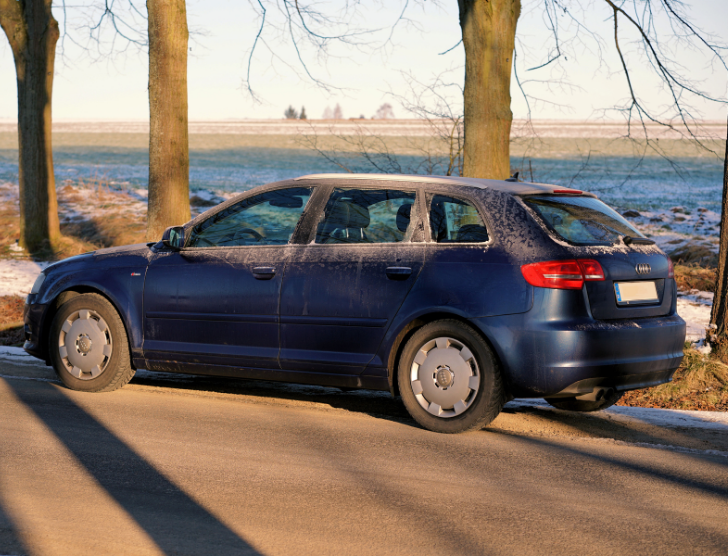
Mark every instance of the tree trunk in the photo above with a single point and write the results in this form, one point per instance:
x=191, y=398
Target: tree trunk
x=489, y=34
x=33, y=32
x=718, y=336
x=169, y=164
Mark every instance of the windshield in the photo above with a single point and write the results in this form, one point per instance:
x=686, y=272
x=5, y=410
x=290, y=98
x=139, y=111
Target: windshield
x=581, y=220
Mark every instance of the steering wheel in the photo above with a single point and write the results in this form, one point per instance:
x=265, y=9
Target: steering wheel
x=238, y=235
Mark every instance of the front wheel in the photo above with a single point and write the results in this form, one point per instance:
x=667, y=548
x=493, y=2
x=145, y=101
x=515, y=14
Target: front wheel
x=88, y=345
x=449, y=379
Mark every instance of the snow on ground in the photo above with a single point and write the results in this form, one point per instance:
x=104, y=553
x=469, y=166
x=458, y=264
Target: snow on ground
x=677, y=227
x=694, y=307
x=17, y=277
x=672, y=418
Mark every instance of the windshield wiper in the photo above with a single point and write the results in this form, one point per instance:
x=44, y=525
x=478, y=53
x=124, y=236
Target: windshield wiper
x=637, y=240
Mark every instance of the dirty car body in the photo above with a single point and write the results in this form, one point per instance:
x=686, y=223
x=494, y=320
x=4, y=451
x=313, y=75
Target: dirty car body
x=327, y=279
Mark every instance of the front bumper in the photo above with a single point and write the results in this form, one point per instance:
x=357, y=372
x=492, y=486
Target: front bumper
x=570, y=358
x=33, y=314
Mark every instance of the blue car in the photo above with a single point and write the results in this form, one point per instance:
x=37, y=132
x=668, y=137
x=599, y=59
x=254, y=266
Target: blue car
x=456, y=294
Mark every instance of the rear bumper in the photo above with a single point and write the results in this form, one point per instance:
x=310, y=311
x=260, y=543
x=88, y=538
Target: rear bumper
x=559, y=359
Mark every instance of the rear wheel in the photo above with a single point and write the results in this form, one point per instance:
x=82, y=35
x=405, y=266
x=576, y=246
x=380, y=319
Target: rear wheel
x=572, y=404
x=88, y=345
x=449, y=378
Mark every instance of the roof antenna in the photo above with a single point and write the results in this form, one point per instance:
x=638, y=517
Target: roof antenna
x=514, y=177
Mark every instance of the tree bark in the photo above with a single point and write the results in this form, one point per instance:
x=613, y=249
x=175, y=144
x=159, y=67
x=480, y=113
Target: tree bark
x=489, y=34
x=33, y=33
x=718, y=336
x=169, y=165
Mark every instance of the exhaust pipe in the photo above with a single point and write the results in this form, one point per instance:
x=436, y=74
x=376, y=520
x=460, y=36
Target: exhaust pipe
x=596, y=395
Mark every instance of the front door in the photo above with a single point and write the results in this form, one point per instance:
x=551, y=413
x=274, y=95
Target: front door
x=341, y=292
x=215, y=302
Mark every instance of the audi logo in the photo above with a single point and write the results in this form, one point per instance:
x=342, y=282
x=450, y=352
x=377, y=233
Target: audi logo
x=643, y=268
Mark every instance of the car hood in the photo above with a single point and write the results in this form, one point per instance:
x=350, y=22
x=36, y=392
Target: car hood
x=139, y=253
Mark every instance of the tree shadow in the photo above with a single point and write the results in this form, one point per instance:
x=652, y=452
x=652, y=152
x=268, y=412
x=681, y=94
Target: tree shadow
x=10, y=541
x=171, y=518
x=374, y=403
x=645, y=470
x=593, y=426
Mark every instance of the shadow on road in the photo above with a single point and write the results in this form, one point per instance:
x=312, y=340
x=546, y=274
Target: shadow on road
x=173, y=520
x=10, y=542
x=376, y=404
x=592, y=425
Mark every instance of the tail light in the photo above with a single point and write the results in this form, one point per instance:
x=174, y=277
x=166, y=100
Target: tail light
x=670, y=268
x=563, y=275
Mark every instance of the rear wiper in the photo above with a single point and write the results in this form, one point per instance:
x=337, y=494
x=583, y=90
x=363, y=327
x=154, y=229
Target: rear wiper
x=637, y=240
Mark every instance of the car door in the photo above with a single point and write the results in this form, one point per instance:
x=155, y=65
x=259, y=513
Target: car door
x=341, y=291
x=215, y=302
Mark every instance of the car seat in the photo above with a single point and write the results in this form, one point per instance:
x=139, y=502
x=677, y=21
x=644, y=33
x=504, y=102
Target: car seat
x=345, y=223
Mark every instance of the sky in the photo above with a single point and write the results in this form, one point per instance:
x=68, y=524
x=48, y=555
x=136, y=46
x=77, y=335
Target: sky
x=105, y=81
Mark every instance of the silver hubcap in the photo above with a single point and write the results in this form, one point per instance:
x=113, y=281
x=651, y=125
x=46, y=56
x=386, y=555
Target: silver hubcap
x=84, y=344
x=445, y=377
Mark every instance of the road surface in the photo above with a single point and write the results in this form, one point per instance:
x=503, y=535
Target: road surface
x=203, y=466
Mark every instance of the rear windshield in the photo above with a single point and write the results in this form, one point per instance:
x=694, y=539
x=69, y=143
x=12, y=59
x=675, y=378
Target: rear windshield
x=581, y=220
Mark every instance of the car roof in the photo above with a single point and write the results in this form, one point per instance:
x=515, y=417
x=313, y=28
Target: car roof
x=513, y=187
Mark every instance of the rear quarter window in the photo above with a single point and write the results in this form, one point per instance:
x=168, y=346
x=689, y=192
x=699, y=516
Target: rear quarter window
x=581, y=220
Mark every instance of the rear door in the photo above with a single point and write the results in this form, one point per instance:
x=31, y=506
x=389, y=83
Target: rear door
x=341, y=291
x=215, y=303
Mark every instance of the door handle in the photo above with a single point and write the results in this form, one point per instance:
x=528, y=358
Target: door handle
x=398, y=272
x=264, y=272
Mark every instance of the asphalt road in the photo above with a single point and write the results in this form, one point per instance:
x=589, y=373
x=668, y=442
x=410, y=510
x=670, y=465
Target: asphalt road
x=235, y=467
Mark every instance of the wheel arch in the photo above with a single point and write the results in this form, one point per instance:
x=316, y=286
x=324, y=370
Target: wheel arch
x=407, y=330
x=65, y=296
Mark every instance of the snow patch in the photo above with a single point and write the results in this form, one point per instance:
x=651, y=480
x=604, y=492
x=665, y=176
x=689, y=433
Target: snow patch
x=671, y=418
x=17, y=277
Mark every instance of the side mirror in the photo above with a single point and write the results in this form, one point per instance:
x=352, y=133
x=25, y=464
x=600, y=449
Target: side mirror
x=174, y=238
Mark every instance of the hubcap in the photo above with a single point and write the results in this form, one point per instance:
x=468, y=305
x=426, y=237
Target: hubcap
x=445, y=377
x=84, y=344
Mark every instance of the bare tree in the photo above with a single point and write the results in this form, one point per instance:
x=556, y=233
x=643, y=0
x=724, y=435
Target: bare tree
x=718, y=332
x=33, y=32
x=169, y=165
x=384, y=112
x=654, y=30
x=338, y=114
x=489, y=34
x=440, y=153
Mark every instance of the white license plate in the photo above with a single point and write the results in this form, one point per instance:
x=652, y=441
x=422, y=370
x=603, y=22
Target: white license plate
x=633, y=293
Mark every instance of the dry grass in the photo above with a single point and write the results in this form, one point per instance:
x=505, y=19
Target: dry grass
x=700, y=383
x=693, y=277
x=92, y=216
x=11, y=320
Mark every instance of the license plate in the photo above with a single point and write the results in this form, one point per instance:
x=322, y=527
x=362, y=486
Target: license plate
x=634, y=293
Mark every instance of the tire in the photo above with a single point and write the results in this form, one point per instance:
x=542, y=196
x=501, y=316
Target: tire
x=88, y=345
x=449, y=378
x=572, y=404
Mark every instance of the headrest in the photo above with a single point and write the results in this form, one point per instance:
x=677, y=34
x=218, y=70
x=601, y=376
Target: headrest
x=403, y=217
x=348, y=215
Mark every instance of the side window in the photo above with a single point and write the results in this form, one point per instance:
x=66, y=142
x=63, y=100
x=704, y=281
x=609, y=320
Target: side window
x=455, y=221
x=366, y=216
x=266, y=219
